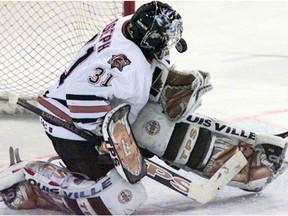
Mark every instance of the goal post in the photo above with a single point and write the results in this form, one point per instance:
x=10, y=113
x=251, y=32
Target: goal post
x=129, y=7
x=39, y=38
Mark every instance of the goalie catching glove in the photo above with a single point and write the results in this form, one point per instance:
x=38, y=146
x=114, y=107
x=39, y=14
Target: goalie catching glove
x=182, y=92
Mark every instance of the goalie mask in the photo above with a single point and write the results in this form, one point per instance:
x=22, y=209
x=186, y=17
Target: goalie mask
x=155, y=28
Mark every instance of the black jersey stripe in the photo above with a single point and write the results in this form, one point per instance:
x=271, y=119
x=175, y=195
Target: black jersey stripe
x=85, y=120
x=93, y=38
x=84, y=97
x=63, y=102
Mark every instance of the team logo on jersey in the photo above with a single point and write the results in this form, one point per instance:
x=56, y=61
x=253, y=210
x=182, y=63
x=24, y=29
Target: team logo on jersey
x=119, y=61
x=125, y=196
x=152, y=127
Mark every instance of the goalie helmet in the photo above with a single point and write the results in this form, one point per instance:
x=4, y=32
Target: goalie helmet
x=155, y=27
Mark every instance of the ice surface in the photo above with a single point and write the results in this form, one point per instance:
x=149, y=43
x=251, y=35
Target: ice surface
x=243, y=44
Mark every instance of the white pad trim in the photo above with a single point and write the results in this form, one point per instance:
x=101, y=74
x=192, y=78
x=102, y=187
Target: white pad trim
x=221, y=127
x=12, y=175
x=270, y=139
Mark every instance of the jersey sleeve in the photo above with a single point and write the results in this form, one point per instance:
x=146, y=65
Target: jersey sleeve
x=132, y=87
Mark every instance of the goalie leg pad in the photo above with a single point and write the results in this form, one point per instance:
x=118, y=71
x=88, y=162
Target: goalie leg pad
x=109, y=195
x=19, y=196
x=18, y=193
x=14, y=191
x=255, y=176
x=123, y=198
x=14, y=173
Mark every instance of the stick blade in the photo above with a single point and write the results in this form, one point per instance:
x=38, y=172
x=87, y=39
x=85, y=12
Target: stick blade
x=205, y=192
x=200, y=194
x=13, y=98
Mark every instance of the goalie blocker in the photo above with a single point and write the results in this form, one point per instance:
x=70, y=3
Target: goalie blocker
x=121, y=144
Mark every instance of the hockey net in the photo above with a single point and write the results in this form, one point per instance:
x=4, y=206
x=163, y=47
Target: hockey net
x=38, y=39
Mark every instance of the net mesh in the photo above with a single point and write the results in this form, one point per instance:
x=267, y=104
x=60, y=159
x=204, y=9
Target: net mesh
x=38, y=39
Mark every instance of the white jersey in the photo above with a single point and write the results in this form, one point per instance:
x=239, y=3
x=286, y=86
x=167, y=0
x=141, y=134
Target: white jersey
x=109, y=70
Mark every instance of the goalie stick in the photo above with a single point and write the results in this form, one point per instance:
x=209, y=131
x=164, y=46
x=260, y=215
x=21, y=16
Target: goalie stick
x=204, y=193
x=155, y=171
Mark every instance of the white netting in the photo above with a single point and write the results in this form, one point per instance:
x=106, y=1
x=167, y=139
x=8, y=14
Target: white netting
x=38, y=39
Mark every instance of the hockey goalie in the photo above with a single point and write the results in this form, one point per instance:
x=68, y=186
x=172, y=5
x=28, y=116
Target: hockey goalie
x=167, y=127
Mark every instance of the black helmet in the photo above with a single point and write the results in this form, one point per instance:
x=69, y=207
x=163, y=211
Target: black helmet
x=155, y=28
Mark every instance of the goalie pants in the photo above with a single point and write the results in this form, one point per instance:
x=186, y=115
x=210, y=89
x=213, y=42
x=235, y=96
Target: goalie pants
x=82, y=157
